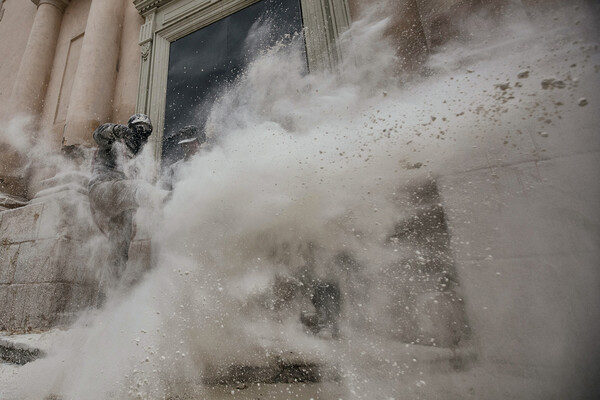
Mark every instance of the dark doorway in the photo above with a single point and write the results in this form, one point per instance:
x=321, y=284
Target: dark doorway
x=202, y=63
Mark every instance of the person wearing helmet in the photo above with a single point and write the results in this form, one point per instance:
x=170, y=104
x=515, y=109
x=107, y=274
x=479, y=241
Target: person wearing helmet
x=115, y=192
x=190, y=139
x=141, y=127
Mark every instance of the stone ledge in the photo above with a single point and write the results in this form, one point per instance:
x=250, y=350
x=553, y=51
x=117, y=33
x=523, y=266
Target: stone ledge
x=7, y=201
x=62, y=187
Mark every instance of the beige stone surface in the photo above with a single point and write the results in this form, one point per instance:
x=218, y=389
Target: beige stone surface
x=66, y=214
x=40, y=306
x=7, y=300
x=8, y=255
x=34, y=71
x=20, y=224
x=16, y=24
x=73, y=26
x=94, y=84
x=43, y=261
x=129, y=66
x=527, y=240
x=535, y=208
x=35, y=306
x=49, y=262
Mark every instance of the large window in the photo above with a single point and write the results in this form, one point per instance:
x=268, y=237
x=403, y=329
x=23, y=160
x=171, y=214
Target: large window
x=191, y=48
x=202, y=63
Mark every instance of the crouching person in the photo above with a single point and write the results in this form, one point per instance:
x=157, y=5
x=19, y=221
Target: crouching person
x=115, y=191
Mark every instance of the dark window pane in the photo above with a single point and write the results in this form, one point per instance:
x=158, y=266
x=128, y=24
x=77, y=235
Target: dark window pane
x=202, y=62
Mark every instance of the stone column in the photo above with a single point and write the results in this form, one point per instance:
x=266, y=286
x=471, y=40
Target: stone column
x=29, y=90
x=94, y=83
x=30, y=85
x=129, y=66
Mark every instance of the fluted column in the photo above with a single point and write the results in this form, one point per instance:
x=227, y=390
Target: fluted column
x=94, y=83
x=29, y=90
x=126, y=87
x=30, y=85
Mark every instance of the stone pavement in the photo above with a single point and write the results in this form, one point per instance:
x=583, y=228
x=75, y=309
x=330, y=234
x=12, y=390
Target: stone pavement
x=397, y=372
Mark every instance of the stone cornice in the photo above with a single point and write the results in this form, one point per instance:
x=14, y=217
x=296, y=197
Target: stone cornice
x=145, y=5
x=60, y=4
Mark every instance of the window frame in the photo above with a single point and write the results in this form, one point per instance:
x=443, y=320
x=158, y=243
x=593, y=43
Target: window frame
x=169, y=20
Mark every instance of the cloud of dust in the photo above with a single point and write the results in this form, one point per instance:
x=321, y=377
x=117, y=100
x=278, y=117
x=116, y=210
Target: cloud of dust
x=305, y=182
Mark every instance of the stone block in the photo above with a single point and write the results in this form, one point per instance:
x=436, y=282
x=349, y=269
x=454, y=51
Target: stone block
x=55, y=260
x=541, y=208
x=7, y=301
x=39, y=306
x=81, y=297
x=8, y=261
x=67, y=214
x=43, y=304
x=492, y=149
x=44, y=261
x=91, y=257
x=535, y=310
x=20, y=224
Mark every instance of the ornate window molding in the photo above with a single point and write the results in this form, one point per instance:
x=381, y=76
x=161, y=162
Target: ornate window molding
x=169, y=20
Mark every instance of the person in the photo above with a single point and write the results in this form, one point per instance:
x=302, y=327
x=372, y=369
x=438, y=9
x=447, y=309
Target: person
x=115, y=192
x=190, y=139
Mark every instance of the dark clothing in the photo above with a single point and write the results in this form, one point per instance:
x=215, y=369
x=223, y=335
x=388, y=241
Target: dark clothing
x=113, y=155
x=115, y=194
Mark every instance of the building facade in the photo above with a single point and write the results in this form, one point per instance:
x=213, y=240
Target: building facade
x=73, y=64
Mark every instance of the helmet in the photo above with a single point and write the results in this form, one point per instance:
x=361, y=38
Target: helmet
x=189, y=134
x=140, y=120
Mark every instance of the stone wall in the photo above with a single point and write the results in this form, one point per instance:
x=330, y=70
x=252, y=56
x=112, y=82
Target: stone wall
x=15, y=24
x=51, y=259
x=523, y=209
x=44, y=278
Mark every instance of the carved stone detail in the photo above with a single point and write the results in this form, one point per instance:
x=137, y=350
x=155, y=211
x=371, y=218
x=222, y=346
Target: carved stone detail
x=145, y=5
x=145, y=50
